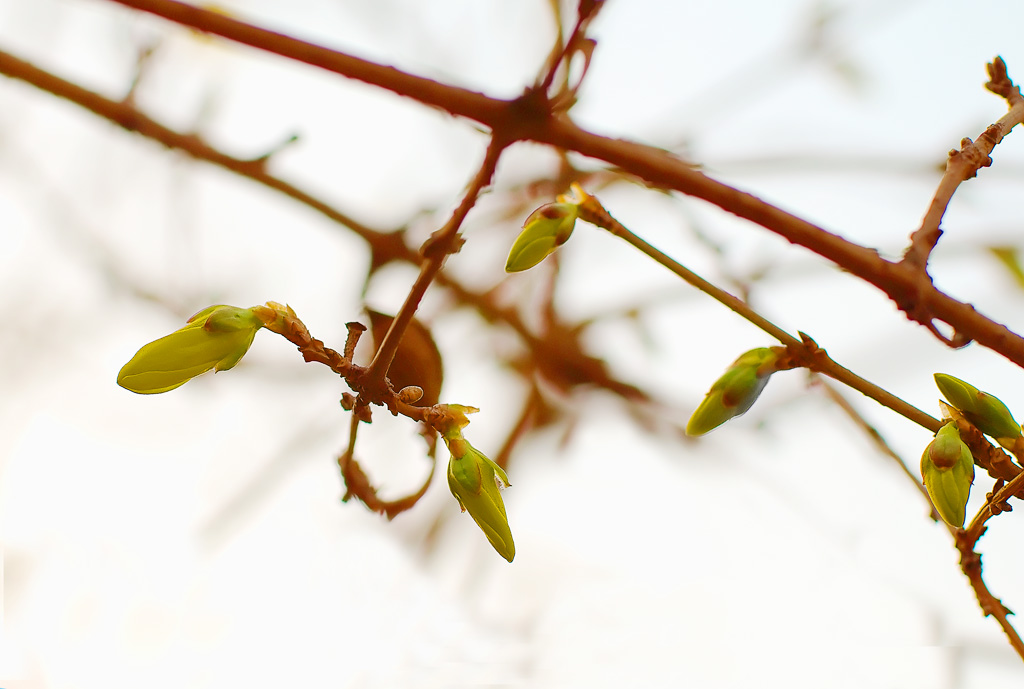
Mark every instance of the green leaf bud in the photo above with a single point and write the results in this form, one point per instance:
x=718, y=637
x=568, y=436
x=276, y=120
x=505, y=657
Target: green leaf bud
x=948, y=471
x=735, y=392
x=985, y=411
x=216, y=339
x=545, y=230
x=474, y=480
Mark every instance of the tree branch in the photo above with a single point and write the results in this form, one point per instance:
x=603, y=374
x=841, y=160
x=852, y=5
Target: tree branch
x=529, y=117
x=442, y=243
x=964, y=164
x=970, y=560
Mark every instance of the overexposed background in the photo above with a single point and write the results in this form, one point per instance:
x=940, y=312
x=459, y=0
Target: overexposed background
x=196, y=539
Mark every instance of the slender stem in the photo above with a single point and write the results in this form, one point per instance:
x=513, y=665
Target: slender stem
x=970, y=560
x=586, y=11
x=811, y=357
x=970, y=564
x=965, y=163
x=977, y=526
x=127, y=116
x=435, y=250
x=348, y=456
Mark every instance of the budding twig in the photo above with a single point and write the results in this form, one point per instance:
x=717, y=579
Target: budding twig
x=805, y=350
x=963, y=164
x=970, y=560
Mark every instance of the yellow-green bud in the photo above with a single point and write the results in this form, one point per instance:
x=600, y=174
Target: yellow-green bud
x=216, y=338
x=948, y=471
x=474, y=481
x=985, y=411
x=735, y=392
x=545, y=230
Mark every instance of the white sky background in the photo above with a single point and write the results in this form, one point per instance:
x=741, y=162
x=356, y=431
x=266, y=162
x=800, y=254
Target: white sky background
x=196, y=539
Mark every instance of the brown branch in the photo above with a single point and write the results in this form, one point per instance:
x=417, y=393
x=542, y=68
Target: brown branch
x=970, y=564
x=965, y=540
x=442, y=243
x=357, y=483
x=917, y=297
x=997, y=503
x=970, y=560
x=126, y=115
x=282, y=320
x=529, y=117
x=561, y=55
x=964, y=164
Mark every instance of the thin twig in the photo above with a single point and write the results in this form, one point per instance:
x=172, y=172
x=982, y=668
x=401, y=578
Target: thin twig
x=964, y=164
x=442, y=243
x=126, y=115
x=970, y=560
x=586, y=11
x=970, y=564
x=804, y=349
x=996, y=504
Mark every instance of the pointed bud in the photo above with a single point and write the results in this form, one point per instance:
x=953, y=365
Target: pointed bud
x=948, y=471
x=736, y=391
x=474, y=481
x=545, y=230
x=985, y=411
x=216, y=338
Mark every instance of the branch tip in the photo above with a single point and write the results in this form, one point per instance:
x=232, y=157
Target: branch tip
x=1000, y=83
